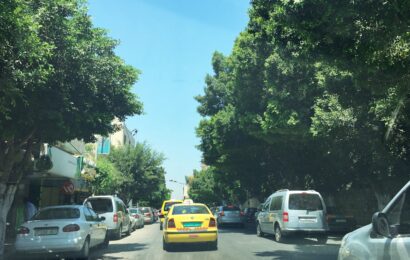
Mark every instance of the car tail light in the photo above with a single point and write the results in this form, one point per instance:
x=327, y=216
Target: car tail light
x=71, y=228
x=285, y=217
x=148, y=214
x=212, y=222
x=171, y=223
x=221, y=213
x=115, y=218
x=23, y=230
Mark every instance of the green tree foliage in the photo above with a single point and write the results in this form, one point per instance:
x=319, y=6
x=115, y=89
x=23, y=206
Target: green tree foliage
x=143, y=174
x=312, y=96
x=59, y=79
x=108, y=179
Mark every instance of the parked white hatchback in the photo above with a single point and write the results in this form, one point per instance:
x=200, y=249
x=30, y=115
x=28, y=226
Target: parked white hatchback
x=388, y=237
x=60, y=231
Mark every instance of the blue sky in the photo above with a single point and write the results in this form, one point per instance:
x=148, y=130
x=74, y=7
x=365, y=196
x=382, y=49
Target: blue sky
x=171, y=42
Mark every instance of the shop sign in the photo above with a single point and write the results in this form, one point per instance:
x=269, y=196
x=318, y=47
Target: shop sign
x=68, y=188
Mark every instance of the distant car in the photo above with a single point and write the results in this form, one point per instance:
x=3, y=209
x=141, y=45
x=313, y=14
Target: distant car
x=61, y=231
x=156, y=214
x=230, y=215
x=115, y=213
x=188, y=224
x=166, y=205
x=250, y=214
x=388, y=237
x=137, y=218
x=339, y=222
x=287, y=212
x=148, y=215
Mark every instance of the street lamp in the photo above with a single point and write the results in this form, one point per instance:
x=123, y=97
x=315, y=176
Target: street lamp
x=183, y=187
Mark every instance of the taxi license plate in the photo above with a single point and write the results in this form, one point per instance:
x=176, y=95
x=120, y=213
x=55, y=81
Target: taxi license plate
x=45, y=231
x=193, y=236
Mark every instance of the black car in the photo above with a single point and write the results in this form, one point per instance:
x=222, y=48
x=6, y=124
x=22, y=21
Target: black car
x=250, y=214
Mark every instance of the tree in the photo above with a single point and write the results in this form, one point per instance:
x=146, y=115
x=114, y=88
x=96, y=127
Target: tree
x=59, y=80
x=142, y=168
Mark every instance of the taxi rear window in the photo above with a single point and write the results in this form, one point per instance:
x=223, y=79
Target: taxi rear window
x=181, y=210
x=169, y=204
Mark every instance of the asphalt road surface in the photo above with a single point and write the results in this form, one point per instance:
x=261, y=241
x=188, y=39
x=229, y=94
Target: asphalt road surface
x=233, y=243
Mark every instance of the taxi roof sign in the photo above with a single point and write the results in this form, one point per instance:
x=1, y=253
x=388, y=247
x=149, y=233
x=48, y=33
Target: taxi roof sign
x=188, y=202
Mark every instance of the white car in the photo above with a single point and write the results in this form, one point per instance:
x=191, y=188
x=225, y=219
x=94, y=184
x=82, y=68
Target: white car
x=61, y=231
x=137, y=218
x=388, y=237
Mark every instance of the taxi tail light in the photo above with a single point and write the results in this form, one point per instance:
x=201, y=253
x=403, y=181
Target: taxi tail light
x=171, y=223
x=285, y=217
x=212, y=222
x=23, y=231
x=115, y=218
x=221, y=213
x=71, y=228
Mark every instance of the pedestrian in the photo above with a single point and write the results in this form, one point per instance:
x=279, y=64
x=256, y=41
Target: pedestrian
x=30, y=209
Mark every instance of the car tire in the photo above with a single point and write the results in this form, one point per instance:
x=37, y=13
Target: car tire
x=214, y=245
x=259, y=231
x=106, y=241
x=118, y=233
x=322, y=239
x=278, y=234
x=129, y=230
x=85, y=250
x=165, y=245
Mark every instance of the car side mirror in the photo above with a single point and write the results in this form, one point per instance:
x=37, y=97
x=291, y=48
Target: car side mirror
x=380, y=224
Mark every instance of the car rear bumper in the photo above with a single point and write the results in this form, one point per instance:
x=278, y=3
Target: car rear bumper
x=190, y=237
x=49, y=246
x=225, y=220
x=288, y=231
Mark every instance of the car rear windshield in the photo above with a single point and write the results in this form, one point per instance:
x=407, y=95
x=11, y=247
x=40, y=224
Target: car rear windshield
x=101, y=205
x=305, y=201
x=180, y=210
x=145, y=210
x=134, y=211
x=169, y=204
x=57, y=213
x=231, y=208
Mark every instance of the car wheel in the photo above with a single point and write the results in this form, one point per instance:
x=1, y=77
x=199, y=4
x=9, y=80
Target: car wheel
x=106, y=241
x=165, y=245
x=214, y=245
x=322, y=239
x=129, y=230
x=259, y=232
x=85, y=251
x=278, y=234
x=118, y=233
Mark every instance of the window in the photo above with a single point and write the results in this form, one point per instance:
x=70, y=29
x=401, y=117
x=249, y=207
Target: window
x=100, y=205
x=88, y=215
x=266, y=205
x=93, y=214
x=305, y=201
x=180, y=210
x=399, y=214
x=276, y=203
x=57, y=213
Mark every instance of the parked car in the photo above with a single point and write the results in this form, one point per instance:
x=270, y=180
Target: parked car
x=156, y=214
x=68, y=230
x=148, y=214
x=166, y=205
x=339, y=222
x=250, y=214
x=137, y=218
x=115, y=213
x=230, y=215
x=288, y=212
x=387, y=237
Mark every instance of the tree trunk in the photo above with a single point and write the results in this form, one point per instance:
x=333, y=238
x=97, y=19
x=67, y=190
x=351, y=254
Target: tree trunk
x=7, y=192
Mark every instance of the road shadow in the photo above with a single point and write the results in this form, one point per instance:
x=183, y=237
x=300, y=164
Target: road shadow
x=116, y=248
x=304, y=248
x=249, y=229
x=189, y=248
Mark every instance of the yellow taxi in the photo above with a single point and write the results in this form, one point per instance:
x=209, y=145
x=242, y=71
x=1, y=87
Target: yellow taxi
x=190, y=223
x=166, y=205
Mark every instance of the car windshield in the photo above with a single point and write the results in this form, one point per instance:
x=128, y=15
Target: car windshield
x=101, y=205
x=57, y=213
x=304, y=201
x=182, y=210
x=169, y=204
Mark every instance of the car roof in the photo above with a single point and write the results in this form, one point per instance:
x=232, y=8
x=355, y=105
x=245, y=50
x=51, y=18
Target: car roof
x=192, y=204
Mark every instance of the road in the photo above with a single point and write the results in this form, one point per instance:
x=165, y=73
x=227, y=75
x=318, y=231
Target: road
x=234, y=243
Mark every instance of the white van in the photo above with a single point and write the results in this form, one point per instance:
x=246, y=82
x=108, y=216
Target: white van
x=115, y=212
x=287, y=212
x=388, y=237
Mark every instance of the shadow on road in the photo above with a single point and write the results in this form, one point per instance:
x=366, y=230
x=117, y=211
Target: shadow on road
x=249, y=229
x=116, y=248
x=189, y=248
